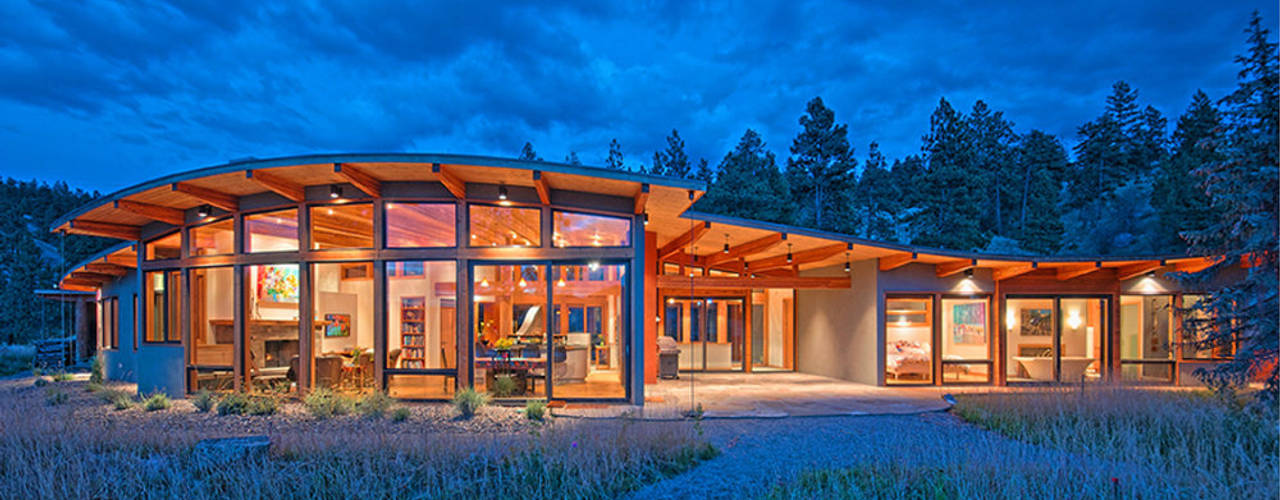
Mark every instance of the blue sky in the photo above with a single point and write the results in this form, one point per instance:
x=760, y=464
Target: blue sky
x=105, y=94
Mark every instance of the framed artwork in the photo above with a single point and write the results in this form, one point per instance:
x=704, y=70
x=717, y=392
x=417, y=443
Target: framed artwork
x=278, y=285
x=1037, y=322
x=969, y=323
x=337, y=325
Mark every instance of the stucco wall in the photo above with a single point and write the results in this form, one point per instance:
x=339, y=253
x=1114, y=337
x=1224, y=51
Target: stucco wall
x=836, y=333
x=120, y=363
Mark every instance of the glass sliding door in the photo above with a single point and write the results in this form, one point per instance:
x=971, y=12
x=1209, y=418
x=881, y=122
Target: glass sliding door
x=1060, y=339
x=422, y=333
x=711, y=332
x=966, y=341
x=342, y=322
x=1083, y=334
x=1146, y=338
x=211, y=360
x=272, y=349
x=509, y=314
x=908, y=333
x=1029, y=333
x=588, y=327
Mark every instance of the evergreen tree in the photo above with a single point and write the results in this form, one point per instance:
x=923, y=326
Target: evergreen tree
x=1179, y=201
x=527, y=153
x=1243, y=188
x=908, y=176
x=878, y=198
x=704, y=172
x=672, y=162
x=993, y=142
x=820, y=171
x=572, y=158
x=749, y=185
x=1043, y=161
x=952, y=202
x=614, y=160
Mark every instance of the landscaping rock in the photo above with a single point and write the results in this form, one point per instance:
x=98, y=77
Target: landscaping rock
x=223, y=450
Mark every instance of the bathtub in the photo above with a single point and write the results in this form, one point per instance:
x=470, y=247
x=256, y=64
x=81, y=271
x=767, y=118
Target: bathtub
x=1073, y=367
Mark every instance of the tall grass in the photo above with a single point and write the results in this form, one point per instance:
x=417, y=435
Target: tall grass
x=1099, y=442
x=15, y=358
x=57, y=454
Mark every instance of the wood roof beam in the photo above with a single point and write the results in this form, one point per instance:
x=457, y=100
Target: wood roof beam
x=450, y=181
x=106, y=268
x=218, y=199
x=168, y=215
x=105, y=229
x=797, y=258
x=945, y=269
x=683, y=241
x=747, y=249
x=1077, y=270
x=1134, y=270
x=744, y=282
x=359, y=178
x=91, y=276
x=1195, y=265
x=544, y=189
x=291, y=190
x=1004, y=273
x=80, y=283
x=129, y=261
x=642, y=198
x=891, y=262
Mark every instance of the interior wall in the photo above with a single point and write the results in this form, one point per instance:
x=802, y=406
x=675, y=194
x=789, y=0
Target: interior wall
x=836, y=330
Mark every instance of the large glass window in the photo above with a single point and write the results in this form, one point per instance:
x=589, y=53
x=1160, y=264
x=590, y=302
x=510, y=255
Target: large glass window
x=109, y=322
x=908, y=334
x=511, y=338
x=1146, y=338
x=342, y=226
x=421, y=225
x=343, y=309
x=214, y=238
x=1190, y=338
x=586, y=230
x=212, y=347
x=271, y=231
x=505, y=226
x=167, y=247
x=1083, y=331
x=422, y=318
x=589, y=330
x=1029, y=325
x=272, y=333
x=965, y=340
x=1055, y=339
x=164, y=306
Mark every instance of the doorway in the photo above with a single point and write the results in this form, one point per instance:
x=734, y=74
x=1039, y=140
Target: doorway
x=1056, y=339
x=710, y=332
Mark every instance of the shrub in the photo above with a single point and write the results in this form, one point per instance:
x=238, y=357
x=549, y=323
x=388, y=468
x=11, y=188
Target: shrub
x=504, y=385
x=324, y=403
x=95, y=371
x=468, y=401
x=374, y=404
x=118, y=399
x=263, y=405
x=203, y=401
x=41, y=382
x=157, y=401
x=92, y=387
x=400, y=414
x=54, y=397
x=535, y=409
x=61, y=377
x=233, y=404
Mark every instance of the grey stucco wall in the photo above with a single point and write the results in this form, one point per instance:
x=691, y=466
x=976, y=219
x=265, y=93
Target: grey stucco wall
x=120, y=364
x=154, y=367
x=836, y=330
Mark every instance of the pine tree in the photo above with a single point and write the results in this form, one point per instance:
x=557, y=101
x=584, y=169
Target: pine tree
x=672, y=162
x=1243, y=188
x=572, y=158
x=908, y=176
x=879, y=200
x=820, y=170
x=1043, y=161
x=952, y=202
x=993, y=141
x=704, y=172
x=614, y=160
x=749, y=185
x=527, y=153
x=1179, y=201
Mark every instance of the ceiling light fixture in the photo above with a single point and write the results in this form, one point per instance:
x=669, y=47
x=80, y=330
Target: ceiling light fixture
x=335, y=191
x=646, y=218
x=968, y=273
x=204, y=210
x=726, y=243
x=789, y=258
x=847, y=268
x=502, y=192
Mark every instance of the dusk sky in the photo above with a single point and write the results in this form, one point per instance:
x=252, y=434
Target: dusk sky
x=104, y=95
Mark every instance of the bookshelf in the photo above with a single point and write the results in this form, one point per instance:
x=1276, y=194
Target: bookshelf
x=413, y=329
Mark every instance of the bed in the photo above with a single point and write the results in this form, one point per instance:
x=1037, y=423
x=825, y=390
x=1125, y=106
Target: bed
x=907, y=359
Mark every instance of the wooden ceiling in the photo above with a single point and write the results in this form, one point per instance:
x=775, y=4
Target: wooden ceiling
x=108, y=265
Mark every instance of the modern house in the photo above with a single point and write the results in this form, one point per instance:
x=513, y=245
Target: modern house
x=422, y=273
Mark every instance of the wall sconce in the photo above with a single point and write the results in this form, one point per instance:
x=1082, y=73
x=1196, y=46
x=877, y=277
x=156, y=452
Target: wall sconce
x=335, y=191
x=502, y=192
x=646, y=218
x=1010, y=319
x=968, y=274
x=1073, y=320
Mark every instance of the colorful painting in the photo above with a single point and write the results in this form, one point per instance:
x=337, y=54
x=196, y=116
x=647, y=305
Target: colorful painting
x=337, y=325
x=278, y=284
x=1037, y=322
x=969, y=323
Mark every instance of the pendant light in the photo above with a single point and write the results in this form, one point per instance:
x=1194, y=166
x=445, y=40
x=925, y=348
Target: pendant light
x=789, y=257
x=726, y=243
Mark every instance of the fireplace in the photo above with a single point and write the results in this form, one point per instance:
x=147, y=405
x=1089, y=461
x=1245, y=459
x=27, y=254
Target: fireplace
x=277, y=353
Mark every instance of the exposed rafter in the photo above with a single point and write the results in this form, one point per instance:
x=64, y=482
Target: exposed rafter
x=106, y=268
x=105, y=229
x=1004, y=273
x=747, y=249
x=218, y=199
x=92, y=276
x=1077, y=270
x=683, y=241
x=797, y=258
x=281, y=186
x=544, y=189
x=450, y=181
x=744, y=282
x=168, y=215
x=1195, y=265
x=642, y=198
x=891, y=262
x=945, y=269
x=1134, y=270
x=129, y=261
x=79, y=283
x=359, y=178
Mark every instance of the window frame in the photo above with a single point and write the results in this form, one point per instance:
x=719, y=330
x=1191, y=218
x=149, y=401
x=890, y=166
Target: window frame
x=311, y=225
x=386, y=222
x=513, y=206
x=170, y=295
x=627, y=234
x=246, y=237
x=191, y=247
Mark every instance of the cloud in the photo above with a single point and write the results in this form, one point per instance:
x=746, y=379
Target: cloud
x=163, y=88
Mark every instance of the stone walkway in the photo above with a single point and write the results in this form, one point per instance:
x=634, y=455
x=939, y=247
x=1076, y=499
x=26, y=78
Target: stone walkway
x=769, y=395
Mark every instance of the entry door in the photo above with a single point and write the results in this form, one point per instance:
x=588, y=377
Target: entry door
x=718, y=334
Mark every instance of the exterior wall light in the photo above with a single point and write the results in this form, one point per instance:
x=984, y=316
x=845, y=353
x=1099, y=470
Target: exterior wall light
x=204, y=210
x=646, y=218
x=502, y=193
x=335, y=191
x=968, y=274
